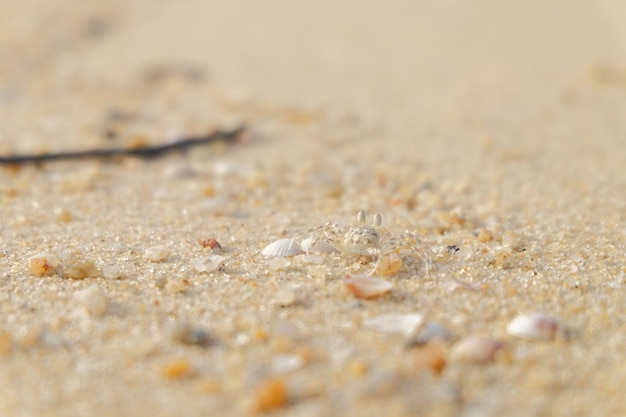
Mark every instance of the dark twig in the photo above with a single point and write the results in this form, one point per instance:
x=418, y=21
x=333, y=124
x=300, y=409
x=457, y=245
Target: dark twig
x=145, y=152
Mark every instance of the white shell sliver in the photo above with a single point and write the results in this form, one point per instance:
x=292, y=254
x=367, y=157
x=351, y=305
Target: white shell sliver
x=535, y=326
x=313, y=245
x=405, y=324
x=282, y=247
x=363, y=286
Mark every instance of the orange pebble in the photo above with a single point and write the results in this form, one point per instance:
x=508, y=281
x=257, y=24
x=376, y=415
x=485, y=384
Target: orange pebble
x=270, y=395
x=178, y=368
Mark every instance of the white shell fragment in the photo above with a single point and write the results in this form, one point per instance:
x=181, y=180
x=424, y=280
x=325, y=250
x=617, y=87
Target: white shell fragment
x=282, y=247
x=313, y=245
x=534, y=326
x=407, y=325
x=157, y=253
x=208, y=263
x=476, y=349
x=94, y=300
x=363, y=286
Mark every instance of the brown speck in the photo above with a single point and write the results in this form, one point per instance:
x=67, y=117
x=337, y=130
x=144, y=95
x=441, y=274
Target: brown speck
x=210, y=243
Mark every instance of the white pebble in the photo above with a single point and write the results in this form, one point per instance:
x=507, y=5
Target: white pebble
x=286, y=363
x=157, y=253
x=208, y=263
x=534, y=326
x=93, y=299
x=283, y=248
x=286, y=297
x=279, y=264
x=114, y=273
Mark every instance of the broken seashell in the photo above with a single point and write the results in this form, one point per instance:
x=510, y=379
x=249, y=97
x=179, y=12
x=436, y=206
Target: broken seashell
x=407, y=325
x=535, y=326
x=363, y=286
x=282, y=247
x=313, y=245
x=388, y=264
x=208, y=263
x=476, y=349
x=429, y=332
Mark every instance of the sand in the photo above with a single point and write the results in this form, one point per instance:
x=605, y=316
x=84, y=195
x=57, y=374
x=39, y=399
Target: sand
x=490, y=138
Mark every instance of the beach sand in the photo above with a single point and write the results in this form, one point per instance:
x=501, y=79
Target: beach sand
x=489, y=136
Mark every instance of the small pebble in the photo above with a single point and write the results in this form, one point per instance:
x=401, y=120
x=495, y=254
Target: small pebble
x=80, y=269
x=430, y=357
x=286, y=363
x=286, y=297
x=186, y=334
x=175, y=286
x=43, y=264
x=114, y=273
x=178, y=368
x=269, y=395
x=484, y=235
x=278, y=264
x=157, y=253
x=94, y=300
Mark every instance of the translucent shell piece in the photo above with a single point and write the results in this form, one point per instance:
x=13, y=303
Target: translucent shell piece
x=476, y=349
x=282, y=247
x=363, y=286
x=313, y=245
x=388, y=264
x=534, y=326
x=407, y=325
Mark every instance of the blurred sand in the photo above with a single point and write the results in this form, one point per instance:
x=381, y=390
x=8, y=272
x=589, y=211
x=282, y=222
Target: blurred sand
x=447, y=117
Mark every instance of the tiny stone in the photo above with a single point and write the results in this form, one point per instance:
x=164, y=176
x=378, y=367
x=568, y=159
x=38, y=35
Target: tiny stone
x=157, y=253
x=43, y=264
x=269, y=395
x=94, y=300
x=286, y=297
x=80, y=269
x=484, y=235
x=279, y=264
x=186, y=334
x=174, y=286
x=178, y=368
x=114, y=273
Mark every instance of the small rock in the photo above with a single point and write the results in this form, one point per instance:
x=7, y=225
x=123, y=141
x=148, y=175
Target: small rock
x=80, y=269
x=157, y=253
x=286, y=297
x=43, y=264
x=186, y=334
x=94, y=300
x=270, y=394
